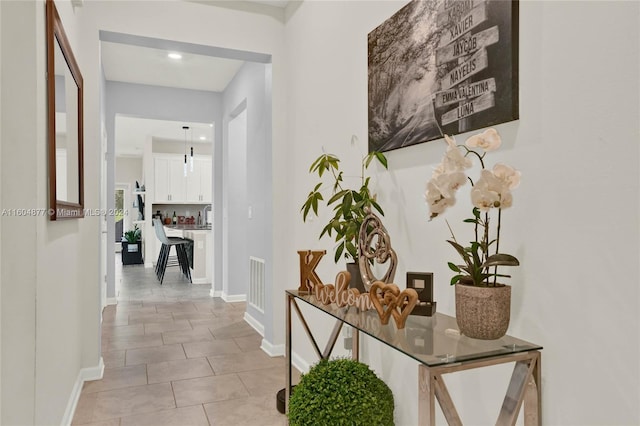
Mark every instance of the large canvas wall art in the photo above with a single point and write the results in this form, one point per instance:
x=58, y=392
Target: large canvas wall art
x=442, y=67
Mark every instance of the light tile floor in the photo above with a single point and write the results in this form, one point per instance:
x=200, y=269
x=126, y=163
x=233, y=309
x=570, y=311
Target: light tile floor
x=175, y=356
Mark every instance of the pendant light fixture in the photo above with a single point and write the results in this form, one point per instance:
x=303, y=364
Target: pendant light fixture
x=191, y=150
x=185, y=128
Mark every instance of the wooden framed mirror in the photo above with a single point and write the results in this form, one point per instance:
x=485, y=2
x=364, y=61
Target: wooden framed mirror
x=65, y=123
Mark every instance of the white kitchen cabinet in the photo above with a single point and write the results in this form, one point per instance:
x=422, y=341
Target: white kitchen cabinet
x=199, y=181
x=171, y=185
x=169, y=180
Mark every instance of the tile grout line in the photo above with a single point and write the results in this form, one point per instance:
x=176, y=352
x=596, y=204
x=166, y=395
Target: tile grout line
x=206, y=415
x=173, y=391
x=211, y=366
x=184, y=351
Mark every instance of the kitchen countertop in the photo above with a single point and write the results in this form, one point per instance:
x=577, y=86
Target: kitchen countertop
x=184, y=227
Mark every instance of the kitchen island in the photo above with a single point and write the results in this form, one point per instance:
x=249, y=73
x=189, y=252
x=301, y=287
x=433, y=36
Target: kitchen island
x=202, y=236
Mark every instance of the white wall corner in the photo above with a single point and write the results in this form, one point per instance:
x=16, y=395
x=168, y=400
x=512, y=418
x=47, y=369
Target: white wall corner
x=257, y=325
x=84, y=375
x=271, y=349
x=300, y=363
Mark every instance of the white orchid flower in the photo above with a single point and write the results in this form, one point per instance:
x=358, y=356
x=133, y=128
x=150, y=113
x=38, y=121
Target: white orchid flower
x=450, y=182
x=507, y=174
x=489, y=140
x=491, y=192
x=451, y=141
x=437, y=171
x=440, y=193
x=484, y=199
x=455, y=161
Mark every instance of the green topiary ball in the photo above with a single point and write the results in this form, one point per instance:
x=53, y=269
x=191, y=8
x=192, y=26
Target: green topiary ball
x=341, y=392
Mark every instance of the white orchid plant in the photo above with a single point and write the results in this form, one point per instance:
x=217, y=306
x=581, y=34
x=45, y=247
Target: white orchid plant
x=491, y=192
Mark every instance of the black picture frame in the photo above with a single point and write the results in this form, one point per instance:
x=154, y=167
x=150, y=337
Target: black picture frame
x=442, y=67
x=422, y=283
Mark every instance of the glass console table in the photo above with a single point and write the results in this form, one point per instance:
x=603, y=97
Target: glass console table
x=440, y=349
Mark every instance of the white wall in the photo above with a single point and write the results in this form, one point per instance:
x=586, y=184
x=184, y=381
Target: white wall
x=50, y=314
x=234, y=216
x=574, y=224
x=251, y=89
x=0, y=221
x=129, y=170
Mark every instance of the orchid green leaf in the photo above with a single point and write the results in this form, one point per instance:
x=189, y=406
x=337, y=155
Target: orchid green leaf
x=453, y=267
x=500, y=260
x=455, y=279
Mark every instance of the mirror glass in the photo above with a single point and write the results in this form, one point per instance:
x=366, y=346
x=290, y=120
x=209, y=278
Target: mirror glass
x=66, y=98
x=65, y=134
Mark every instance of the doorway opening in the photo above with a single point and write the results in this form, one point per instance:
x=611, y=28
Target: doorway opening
x=244, y=90
x=121, y=201
x=119, y=215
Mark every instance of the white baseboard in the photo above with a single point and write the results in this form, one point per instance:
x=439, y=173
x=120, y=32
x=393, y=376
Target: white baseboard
x=298, y=362
x=112, y=301
x=257, y=326
x=84, y=375
x=272, y=350
x=230, y=298
x=215, y=293
x=148, y=264
x=200, y=280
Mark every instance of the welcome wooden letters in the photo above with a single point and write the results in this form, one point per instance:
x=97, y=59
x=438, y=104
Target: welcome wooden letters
x=341, y=294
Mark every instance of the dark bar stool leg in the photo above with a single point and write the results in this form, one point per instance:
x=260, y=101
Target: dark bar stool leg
x=179, y=257
x=180, y=253
x=184, y=261
x=159, y=262
x=165, y=257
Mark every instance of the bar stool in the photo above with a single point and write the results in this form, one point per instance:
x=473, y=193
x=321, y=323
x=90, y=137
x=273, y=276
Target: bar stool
x=167, y=243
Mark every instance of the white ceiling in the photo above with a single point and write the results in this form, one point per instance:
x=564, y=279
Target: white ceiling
x=131, y=63
x=131, y=133
x=145, y=65
x=275, y=3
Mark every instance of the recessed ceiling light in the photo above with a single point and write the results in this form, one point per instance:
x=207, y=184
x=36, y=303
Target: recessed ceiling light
x=211, y=125
x=203, y=138
x=175, y=56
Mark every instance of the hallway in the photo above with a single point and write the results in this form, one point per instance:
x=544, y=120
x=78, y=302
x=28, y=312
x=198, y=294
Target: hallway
x=175, y=356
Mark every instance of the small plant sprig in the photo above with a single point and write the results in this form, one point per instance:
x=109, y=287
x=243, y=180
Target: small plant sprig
x=134, y=235
x=348, y=204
